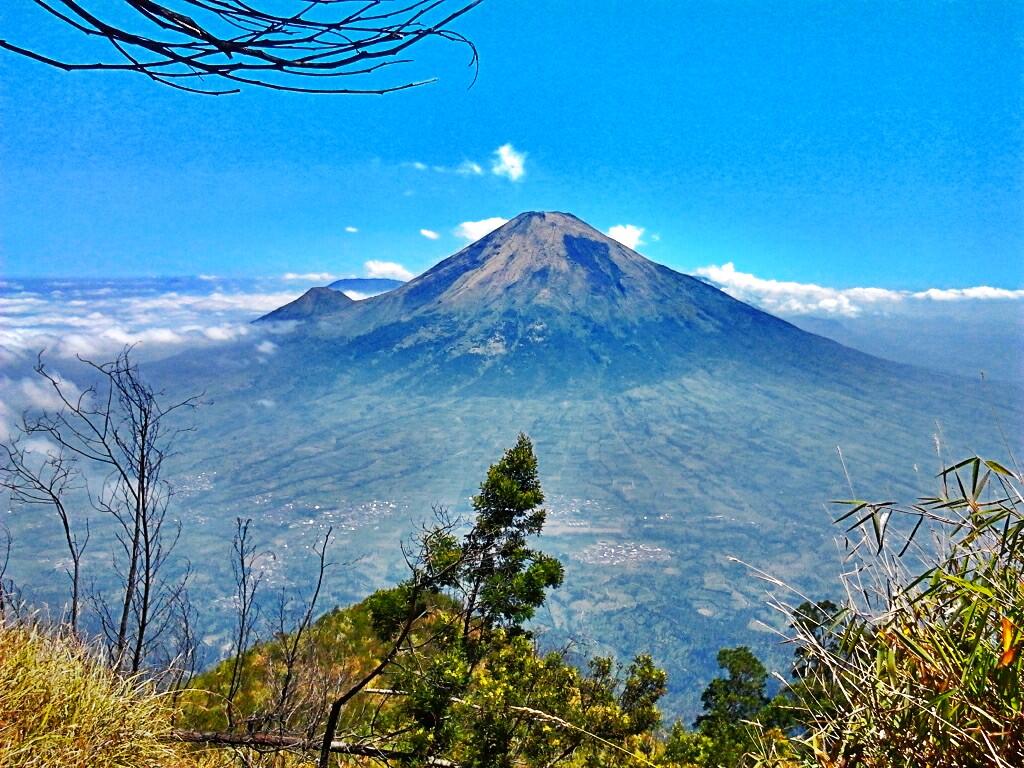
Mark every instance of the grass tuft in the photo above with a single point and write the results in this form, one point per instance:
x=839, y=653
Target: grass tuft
x=60, y=705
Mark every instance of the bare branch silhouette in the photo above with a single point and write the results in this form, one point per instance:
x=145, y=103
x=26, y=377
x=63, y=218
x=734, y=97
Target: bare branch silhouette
x=45, y=480
x=247, y=582
x=121, y=427
x=296, y=45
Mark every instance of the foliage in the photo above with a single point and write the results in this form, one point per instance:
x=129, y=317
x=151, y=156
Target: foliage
x=738, y=716
x=456, y=674
x=688, y=749
x=340, y=646
x=922, y=665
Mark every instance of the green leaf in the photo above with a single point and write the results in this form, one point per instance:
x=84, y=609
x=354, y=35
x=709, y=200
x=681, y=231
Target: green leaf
x=972, y=586
x=998, y=468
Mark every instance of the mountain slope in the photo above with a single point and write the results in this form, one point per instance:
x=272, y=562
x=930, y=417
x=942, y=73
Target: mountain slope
x=312, y=304
x=676, y=428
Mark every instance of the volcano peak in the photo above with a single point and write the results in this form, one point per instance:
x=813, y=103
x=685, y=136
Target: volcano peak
x=568, y=301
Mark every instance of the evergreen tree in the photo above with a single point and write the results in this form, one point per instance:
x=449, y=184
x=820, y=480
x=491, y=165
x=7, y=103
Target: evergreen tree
x=730, y=703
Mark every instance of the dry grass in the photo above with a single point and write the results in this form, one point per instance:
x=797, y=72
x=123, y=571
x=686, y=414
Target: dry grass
x=61, y=706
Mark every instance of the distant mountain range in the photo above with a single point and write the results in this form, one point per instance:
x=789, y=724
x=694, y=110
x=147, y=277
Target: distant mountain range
x=321, y=301
x=676, y=428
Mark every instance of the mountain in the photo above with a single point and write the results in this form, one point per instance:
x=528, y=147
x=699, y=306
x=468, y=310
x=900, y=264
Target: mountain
x=365, y=286
x=324, y=301
x=312, y=304
x=548, y=301
x=678, y=431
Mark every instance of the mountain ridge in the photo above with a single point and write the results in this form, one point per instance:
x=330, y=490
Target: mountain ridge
x=313, y=303
x=548, y=291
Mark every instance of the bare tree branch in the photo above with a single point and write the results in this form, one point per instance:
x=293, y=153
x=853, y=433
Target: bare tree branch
x=45, y=480
x=4, y=562
x=291, y=641
x=247, y=582
x=186, y=43
x=276, y=741
x=122, y=427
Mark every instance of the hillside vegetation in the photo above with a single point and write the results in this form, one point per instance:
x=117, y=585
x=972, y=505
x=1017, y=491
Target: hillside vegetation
x=919, y=665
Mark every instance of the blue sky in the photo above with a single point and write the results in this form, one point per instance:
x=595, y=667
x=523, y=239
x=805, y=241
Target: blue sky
x=859, y=144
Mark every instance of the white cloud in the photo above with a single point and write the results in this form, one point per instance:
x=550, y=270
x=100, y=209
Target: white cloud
x=266, y=347
x=96, y=323
x=310, y=277
x=121, y=336
x=351, y=230
x=29, y=393
x=390, y=269
x=793, y=298
x=358, y=295
x=629, y=235
x=474, y=230
x=7, y=420
x=469, y=168
x=983, y=292
x=429, y=234
x=223, y=332
x=509, y=163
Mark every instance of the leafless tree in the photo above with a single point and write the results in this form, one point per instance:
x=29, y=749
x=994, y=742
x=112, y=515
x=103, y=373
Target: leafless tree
x=247, y=582
x=289, y=638
x=120, y=430
x=45, y=479
x=182, y=652
x=4, y=562
x=289, y=45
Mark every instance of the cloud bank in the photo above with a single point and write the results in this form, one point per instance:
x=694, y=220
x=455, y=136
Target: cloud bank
x=95, y=319
x=793, y=298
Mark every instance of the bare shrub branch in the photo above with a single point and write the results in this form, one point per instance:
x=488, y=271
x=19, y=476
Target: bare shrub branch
x=301, y=46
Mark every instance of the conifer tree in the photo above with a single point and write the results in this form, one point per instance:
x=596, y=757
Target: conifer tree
x=731, y=702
